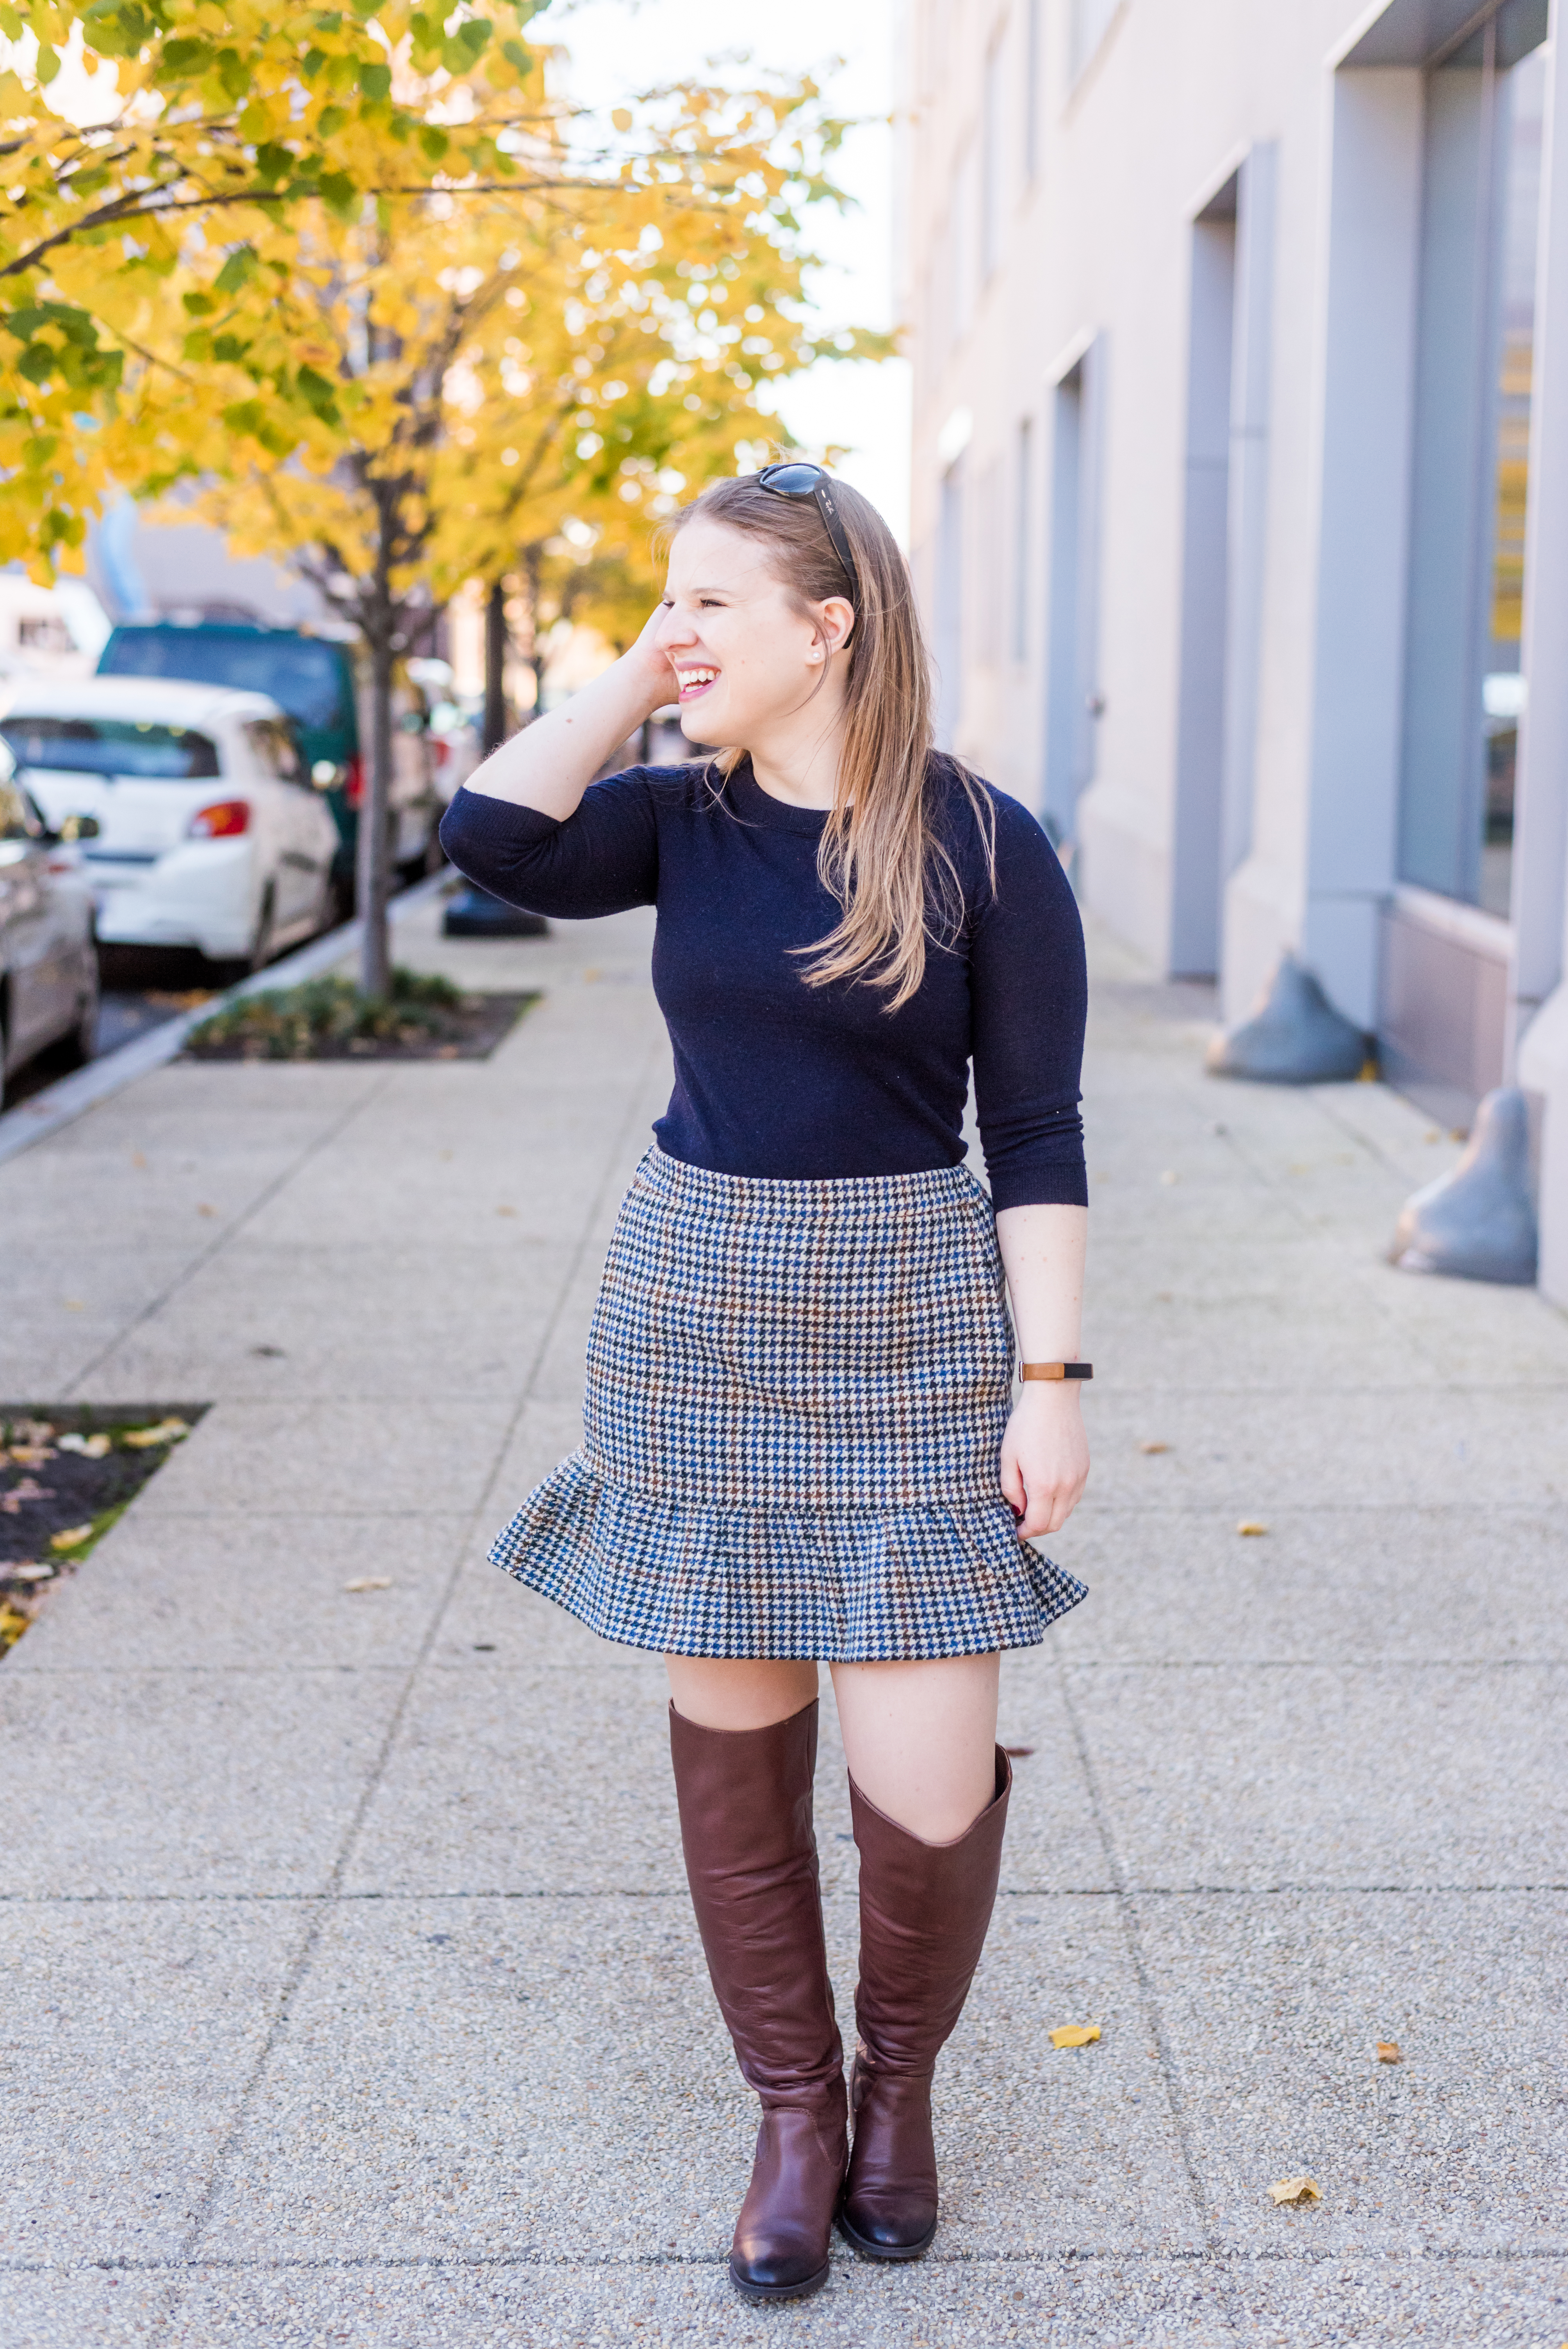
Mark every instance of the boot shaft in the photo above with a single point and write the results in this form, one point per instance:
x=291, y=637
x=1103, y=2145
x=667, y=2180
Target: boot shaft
x=745, y=1799
x=925, y=1910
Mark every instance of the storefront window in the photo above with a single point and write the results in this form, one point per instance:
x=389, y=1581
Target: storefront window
x=1464, y=688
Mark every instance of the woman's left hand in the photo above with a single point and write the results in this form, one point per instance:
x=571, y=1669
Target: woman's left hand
x=1044, y=1457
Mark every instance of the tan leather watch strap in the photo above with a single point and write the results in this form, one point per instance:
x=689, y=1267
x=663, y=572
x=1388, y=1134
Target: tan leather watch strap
x=1057, y=1370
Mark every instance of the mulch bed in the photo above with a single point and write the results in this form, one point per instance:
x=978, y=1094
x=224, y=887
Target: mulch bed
x=467, y=1030
x=71, y=1469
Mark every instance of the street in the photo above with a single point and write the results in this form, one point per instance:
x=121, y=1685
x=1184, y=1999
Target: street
x=356, y=1995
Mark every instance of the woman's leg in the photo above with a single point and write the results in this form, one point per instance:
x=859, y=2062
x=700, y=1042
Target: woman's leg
x=743, y=1739
x=921, y=1739
x=928, y=1789
x=739, y=1692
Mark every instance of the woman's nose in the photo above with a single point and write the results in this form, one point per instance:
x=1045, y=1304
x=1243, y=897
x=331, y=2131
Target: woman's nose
x=676, y=630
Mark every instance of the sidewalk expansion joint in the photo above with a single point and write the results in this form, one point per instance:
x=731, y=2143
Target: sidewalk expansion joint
x=1225, y=2255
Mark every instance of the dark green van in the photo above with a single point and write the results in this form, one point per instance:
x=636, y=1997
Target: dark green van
x=313, y=679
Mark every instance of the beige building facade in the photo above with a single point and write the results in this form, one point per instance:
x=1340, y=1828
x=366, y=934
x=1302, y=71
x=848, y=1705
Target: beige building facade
x=1240, y=500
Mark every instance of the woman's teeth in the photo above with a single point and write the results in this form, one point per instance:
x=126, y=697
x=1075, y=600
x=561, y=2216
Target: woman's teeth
x=694, y=681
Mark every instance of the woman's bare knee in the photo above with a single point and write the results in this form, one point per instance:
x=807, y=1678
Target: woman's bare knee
x=921, y=1739
x=739, y=1692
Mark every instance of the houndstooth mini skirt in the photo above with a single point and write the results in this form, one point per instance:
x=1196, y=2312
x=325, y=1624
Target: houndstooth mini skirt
x=796, y=1398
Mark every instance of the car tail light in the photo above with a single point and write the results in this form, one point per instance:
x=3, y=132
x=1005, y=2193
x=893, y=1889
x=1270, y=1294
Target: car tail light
x=354, y=781
x=222, y=820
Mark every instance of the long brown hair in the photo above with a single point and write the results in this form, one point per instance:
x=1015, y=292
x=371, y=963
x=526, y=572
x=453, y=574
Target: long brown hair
x=882, y=854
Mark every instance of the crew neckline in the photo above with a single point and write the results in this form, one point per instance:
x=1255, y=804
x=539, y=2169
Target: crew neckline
x=754, y=805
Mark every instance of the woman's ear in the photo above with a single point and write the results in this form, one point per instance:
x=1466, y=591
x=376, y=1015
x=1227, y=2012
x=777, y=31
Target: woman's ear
x=836, y=624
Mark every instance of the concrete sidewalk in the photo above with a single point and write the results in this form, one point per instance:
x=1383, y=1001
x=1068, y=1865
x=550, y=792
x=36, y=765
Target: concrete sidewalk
x=354, y=1991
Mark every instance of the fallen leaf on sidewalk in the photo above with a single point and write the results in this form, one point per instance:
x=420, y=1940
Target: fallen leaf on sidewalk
x=75, y=1305
x=369, y=1582
x=1075, y=2035
x=30, y=1571
x=1154, y=1444
x=91, y=1447
x=1389, y=2052
x=1252, y=1526
x=143, y=1439
x=69, y=1537
x=1295, y=2190
x=203, y=1209
x=32, y=1455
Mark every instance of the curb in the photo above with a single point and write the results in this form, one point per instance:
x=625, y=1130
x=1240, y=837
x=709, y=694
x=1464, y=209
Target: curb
x=45, y=1112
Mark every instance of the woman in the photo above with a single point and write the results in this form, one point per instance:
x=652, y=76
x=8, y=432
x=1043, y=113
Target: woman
x=801, y=1445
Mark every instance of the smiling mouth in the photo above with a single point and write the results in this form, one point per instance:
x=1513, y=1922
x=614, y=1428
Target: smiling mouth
x=694, y=682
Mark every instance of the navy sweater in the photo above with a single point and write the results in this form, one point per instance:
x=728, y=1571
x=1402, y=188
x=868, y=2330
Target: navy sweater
x=774, y=1077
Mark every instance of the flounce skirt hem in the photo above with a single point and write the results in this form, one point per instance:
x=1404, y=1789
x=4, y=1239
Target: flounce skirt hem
x=846, y=1585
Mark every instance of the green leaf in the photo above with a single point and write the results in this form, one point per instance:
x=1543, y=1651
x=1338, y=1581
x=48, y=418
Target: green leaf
x=48, y=65
x=238, y=270
x=180, y=58
x=273, y=163
x=233, y=73
x=198, y=305
x=434, y=140
x=376, y=81
x=339, y=193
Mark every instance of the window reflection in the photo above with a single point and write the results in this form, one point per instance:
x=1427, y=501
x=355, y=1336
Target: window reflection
x=1464, y=692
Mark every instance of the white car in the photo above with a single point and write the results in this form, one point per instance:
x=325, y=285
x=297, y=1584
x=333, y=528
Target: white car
x=209, y=836
x=48, y=970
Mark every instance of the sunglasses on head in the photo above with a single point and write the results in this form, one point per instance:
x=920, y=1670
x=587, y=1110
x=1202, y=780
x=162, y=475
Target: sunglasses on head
x=809, y=484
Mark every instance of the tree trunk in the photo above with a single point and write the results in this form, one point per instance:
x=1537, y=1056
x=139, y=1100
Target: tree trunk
x=495, y=669
x=375, y=953
x=531, y=572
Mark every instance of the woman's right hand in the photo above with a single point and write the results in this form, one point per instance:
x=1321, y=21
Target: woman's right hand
x=647, y=661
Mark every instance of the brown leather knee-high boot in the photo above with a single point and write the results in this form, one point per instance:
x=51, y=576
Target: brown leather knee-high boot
x=925, y=1910
x=751, y=1861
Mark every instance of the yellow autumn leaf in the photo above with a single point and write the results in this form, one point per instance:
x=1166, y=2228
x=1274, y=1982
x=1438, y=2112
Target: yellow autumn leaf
x=69, y=1537
x=1252, y=1526
x=1152, y=1443
x=143, y=1439
x=1073, y=2035
x=369, y=1582
x=1295, y=2190
x=1389, y=2052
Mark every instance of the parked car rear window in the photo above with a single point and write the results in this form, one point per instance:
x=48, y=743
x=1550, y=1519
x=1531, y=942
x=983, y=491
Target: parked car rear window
x=302, y=677
x=111, y=746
